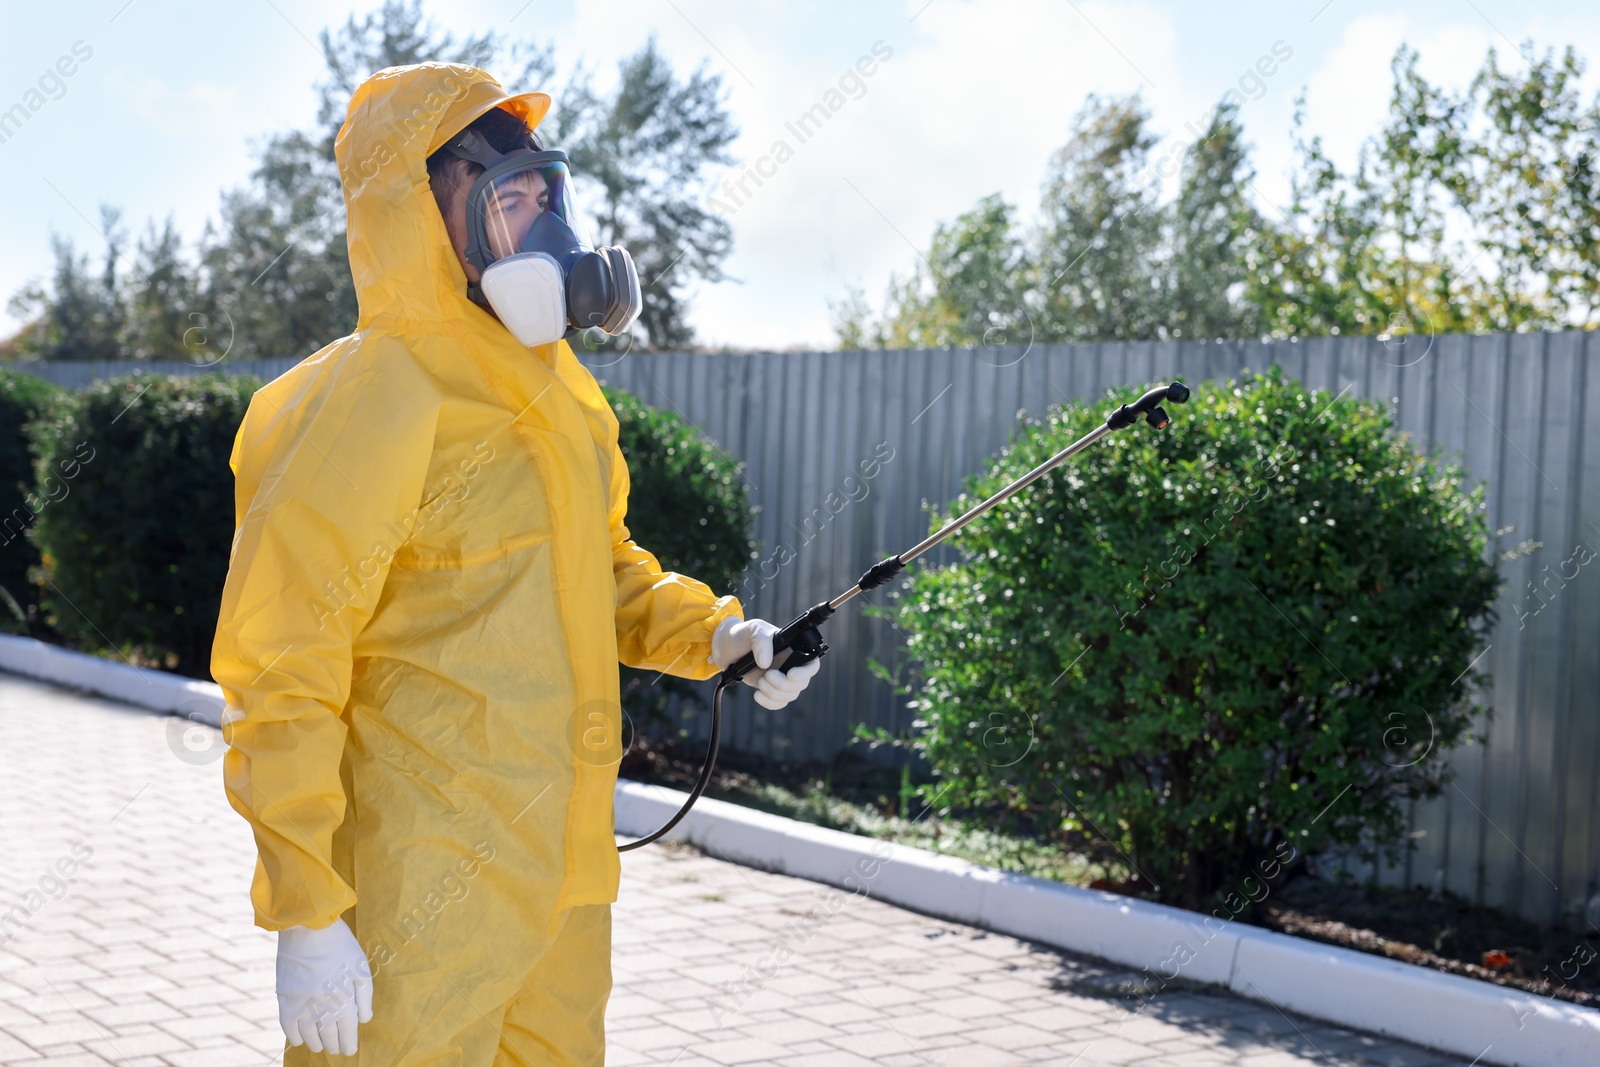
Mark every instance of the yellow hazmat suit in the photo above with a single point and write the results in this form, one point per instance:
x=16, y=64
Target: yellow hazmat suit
x=430, y=587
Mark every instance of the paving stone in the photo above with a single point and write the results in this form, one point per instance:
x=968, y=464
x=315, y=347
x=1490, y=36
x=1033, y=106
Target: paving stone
x=223, y=1056
x=1013, y=1037
x=12, y=1049
x=132, y=1011
x=41, y=1037
x=744, y=1050
x=825, y=1059
x=156, y=962
x=806, y=1048
x=135, y=1045
x=836, y=1012
x=791, y=1032
x=974, y=1056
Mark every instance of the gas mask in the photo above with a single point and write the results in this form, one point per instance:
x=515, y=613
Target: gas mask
x=538, y=272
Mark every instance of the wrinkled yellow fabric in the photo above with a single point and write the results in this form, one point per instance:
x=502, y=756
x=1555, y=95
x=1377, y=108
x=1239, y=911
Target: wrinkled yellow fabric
x=431, y=585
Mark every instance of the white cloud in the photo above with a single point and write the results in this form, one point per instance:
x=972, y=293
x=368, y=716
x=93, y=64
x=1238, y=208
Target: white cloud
x=1348, y=95
x=197, y=108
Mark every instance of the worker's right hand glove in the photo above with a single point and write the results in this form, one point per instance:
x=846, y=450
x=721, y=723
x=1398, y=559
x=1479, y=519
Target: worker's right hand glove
x=775, y=688
x=324, y=984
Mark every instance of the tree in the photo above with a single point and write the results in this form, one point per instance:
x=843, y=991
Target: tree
x=1307, y=274
x=78, y=315
x=1531, y=189
x=854, y=326
x=1212, y=223
x=1413, y=166
x=1102, y=229
x=162, y=299
x=276, y=264
x=1368, y=252
x=397, y=35
x=644, y=149
x=644, y=152
x=971, y=289
x=1467, y=212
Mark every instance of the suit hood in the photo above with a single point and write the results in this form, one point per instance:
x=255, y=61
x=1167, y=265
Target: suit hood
x=404, y=267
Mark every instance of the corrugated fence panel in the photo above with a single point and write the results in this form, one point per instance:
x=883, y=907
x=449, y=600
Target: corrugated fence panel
x=1438, y=865
x=1480, y=390
x=1457, y=861
x=1520, y=421
x=1414, y=415
x=1563, y=455
x=844, y=451
x=1583, y=643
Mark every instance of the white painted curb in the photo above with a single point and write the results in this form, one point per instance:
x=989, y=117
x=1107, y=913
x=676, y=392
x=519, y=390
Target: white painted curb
x=141, y=686
x=1441, y=1011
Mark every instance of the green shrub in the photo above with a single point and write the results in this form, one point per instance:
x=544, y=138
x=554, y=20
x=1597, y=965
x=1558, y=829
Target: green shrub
x=23, y=398
x=137, y=539
x=688, y=503
x=689, y=506
x=1212, y=650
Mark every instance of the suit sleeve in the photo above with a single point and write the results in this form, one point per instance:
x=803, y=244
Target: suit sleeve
x=327, y=480
x=664, y=620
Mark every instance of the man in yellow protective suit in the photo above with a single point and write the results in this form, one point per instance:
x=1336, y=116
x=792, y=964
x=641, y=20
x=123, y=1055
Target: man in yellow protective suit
x=430, y=588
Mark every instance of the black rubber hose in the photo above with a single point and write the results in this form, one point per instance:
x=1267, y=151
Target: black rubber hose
x=705, y=771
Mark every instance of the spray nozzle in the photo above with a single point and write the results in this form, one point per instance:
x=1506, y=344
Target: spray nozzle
x=1149, y=406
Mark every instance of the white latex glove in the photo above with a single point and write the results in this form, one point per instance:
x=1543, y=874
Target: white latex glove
x=774, y=688
x=324, y=983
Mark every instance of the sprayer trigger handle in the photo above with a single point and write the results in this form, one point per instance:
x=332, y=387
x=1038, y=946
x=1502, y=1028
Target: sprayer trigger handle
x=806, y=646
x=800, y=648
x=797, y=643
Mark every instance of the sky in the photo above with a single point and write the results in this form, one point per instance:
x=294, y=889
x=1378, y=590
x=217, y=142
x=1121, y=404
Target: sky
x=169, y=100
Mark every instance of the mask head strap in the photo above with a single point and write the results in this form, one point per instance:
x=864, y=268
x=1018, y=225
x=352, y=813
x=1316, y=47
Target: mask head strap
x=472, y=146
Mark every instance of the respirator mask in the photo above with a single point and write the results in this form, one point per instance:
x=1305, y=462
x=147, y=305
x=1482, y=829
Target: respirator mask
x=538, y=272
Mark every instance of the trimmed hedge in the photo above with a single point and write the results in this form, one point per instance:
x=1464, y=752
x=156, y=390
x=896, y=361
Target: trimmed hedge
x=1206, y=653
x=688, y=503
x=690, y=507
x=136, y=539
x=23, y=399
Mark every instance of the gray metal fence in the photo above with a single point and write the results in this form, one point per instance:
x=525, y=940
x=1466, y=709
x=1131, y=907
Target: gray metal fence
x=843, y=450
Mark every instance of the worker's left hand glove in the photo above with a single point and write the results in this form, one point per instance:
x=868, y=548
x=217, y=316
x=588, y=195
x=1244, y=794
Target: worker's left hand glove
x=774, y=688
x=324, y=987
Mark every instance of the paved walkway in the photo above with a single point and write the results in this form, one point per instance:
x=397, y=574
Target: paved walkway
x=143, y=953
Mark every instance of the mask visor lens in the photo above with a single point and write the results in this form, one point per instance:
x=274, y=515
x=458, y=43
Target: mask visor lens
x=509, y=208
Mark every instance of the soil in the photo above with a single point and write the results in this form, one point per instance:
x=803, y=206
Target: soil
x=1443, y=932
